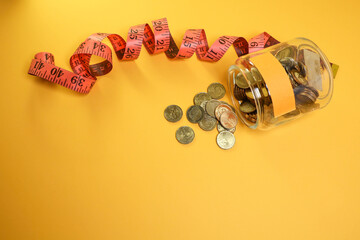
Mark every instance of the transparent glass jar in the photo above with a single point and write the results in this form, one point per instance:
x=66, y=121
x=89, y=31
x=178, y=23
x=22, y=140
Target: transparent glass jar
x=280, y=83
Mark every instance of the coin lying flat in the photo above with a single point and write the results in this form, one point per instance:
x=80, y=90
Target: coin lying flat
x=216, y=90
x=247, y=107
x=201, y=97
x=228, y=119
x=203, y=105
x=173, y=113
x=195, y=113
x=185, y=135
x=207, y=123
x=211, y=106
x=220, y=128
x=220, y=109
x=225, y=140
x=232, y=108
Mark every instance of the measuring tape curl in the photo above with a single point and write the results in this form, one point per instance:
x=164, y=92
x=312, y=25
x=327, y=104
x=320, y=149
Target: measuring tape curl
x=83, y=77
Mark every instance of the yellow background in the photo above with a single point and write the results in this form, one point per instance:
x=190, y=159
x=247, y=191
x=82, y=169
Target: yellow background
x=107, y=165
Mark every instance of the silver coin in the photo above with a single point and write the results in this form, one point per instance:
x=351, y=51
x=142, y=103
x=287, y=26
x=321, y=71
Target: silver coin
x=203, y=105
x=225, y=140
x=185, y=135
x=173, y=113
x=211, y=106
x=195, y=113
x=201, y=97
x=207, y=123
x=220, y=128
x=216, y=90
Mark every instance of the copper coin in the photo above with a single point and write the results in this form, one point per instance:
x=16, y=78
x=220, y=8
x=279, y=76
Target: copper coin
x=220, y=109
x=228, y=120
x=239, y=93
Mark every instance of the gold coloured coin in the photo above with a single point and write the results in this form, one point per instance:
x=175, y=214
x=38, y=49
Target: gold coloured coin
x=185, y=135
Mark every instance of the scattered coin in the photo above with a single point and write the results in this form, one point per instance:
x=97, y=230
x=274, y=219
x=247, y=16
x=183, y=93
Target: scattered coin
x=247, y=107
x=228, y=120
x=225, y=140
x=207, y=112
x=220, y=128
x=207, y=123
x=211, y=106
x=201, y=97
x=173, y=113
x=195, y=113
x=232, y=108
x=216, y=90
x=185, y=135
x=220, y=109
x=203, y=105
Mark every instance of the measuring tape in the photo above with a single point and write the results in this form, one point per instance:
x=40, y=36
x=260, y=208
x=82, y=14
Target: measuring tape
x=83, y=77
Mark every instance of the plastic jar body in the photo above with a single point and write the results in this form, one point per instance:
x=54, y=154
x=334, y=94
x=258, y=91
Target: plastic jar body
x=280, y=83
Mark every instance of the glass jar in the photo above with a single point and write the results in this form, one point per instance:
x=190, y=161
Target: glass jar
x=280, y=83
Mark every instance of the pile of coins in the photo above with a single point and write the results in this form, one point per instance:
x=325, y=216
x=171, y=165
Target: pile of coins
x=305, y=95
x=208, y=112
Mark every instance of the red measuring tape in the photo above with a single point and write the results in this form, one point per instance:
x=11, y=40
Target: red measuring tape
x=83, y=77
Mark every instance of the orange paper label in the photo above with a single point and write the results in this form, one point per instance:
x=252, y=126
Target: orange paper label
x=277, y=81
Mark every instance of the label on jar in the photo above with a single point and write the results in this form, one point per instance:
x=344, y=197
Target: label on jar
x=312, y=62
x=277, y=81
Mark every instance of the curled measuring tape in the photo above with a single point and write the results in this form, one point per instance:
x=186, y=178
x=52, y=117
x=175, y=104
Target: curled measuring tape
x=83, y=77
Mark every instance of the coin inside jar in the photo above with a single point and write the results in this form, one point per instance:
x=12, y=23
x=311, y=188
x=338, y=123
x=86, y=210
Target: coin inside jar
x=225, y=140
x=216, y=90
x=239, y=93
x=305, y=95
x=247, y=107
x=173, y=113
x=220, y=109
x=298, y=77
x=240, y=81
x=185, y=135
x=194, y=114
x=228, y=119
x=201, y=97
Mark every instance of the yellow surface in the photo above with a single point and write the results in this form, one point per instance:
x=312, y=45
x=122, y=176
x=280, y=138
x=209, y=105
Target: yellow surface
x=107, y=165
